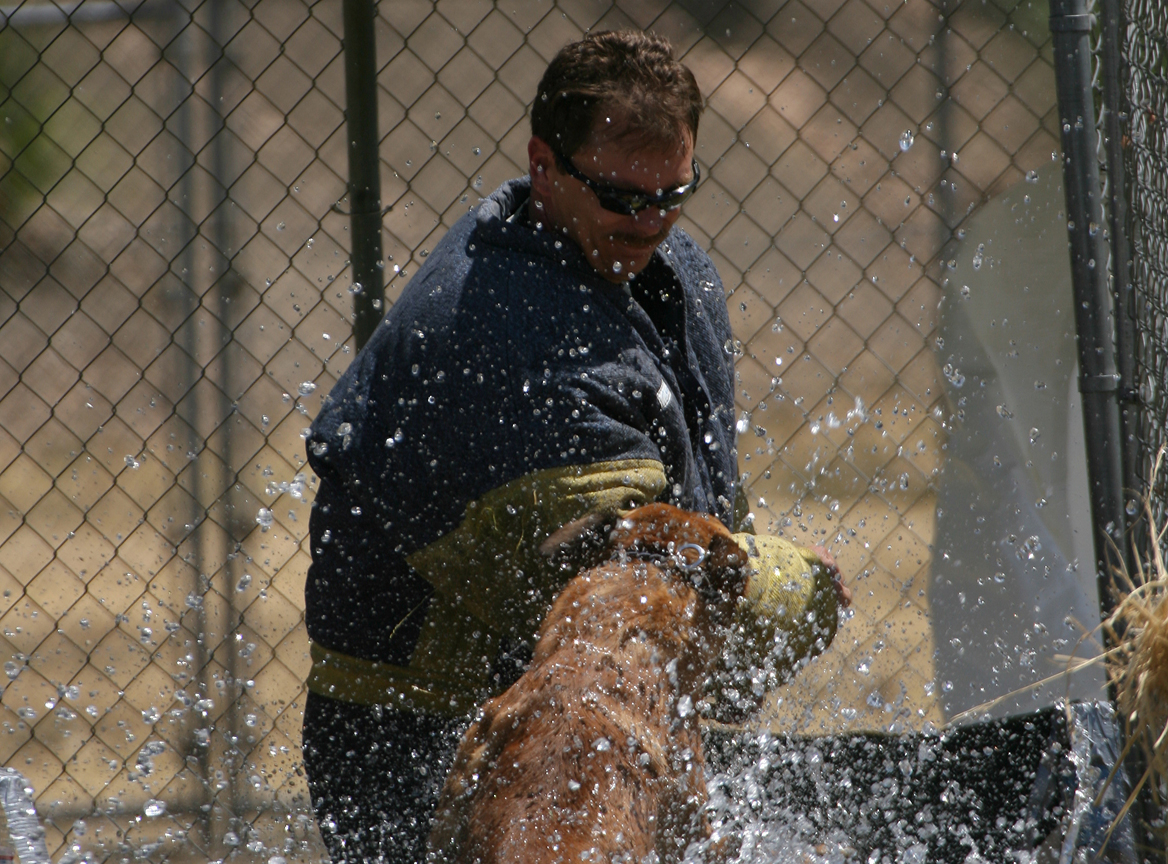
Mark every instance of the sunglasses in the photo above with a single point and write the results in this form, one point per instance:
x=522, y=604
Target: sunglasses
x=629, y=202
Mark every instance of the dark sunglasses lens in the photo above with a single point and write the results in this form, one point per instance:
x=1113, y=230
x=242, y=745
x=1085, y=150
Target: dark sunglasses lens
x=677, y=198
x=629, y=204
x=624, y=204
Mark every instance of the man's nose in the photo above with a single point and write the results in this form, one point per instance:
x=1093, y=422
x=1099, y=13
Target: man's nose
x=650, y=220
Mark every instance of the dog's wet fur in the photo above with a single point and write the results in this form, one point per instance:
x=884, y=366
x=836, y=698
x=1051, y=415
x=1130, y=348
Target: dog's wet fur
x=594, y=754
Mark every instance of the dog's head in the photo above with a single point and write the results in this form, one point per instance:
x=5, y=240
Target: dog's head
x=698, y=545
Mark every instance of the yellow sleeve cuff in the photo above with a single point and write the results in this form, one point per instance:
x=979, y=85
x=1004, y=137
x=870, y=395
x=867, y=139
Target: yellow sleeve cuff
x=491, y=566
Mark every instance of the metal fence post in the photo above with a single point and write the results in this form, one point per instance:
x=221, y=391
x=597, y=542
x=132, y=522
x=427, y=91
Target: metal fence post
x=1115, y=125
x=364, y=167
x=1070, y=25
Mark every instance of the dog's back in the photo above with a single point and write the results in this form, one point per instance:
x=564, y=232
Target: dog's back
x=594, y=754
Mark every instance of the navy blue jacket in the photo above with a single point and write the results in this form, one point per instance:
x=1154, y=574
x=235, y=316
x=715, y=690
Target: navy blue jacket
x=507, y=356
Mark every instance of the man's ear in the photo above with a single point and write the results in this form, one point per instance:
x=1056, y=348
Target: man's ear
x=541, y=161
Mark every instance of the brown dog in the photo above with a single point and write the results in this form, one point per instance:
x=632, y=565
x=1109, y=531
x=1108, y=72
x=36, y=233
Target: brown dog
x=594, y=754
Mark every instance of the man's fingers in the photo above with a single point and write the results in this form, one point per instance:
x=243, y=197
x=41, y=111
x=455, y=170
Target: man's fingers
x=827, y=559
x=842, y=592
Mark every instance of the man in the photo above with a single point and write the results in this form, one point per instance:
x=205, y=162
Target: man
x=564, y=350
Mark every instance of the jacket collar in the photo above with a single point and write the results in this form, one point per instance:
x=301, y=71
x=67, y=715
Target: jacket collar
x=493, y=228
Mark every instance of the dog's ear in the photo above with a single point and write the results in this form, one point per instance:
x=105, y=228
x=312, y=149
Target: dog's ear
x=578, y=541
x=727, y=552
x=727, y=565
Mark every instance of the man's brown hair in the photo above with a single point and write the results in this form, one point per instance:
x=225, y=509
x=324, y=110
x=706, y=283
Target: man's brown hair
x=633, y=75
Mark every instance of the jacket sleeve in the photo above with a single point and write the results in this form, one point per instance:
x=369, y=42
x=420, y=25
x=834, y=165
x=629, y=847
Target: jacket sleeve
x=491, y=563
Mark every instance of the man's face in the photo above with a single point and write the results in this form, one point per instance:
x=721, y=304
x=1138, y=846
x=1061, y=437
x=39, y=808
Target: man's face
x=618, y=246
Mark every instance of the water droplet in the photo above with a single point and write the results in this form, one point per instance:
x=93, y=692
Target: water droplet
x=477, y=151
x=1005, y=413
x=616, y=267
x=306, y=388
x=154, y=808
x=954, y=375
x=1029, y=548
x=1132, y=507
x=309, y=242
x=1032, y=176
x=244, y=582
x=965, y=292
x=906, y=140
x=264, y=519
x=1034, y=434
x=151, y=715
x=132, y=462
x=684, y=706
x=12, y=669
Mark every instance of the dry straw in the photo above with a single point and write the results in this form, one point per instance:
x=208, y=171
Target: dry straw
x=1137, y=664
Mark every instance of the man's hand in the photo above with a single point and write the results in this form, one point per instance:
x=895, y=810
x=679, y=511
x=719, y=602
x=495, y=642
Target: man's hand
x=842, y=592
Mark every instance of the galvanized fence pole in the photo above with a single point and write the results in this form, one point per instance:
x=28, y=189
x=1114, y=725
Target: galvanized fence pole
x=1070, y=24
x=1115, y=124
x=364, y=167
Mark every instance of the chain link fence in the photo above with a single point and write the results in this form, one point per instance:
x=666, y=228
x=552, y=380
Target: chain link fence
x=1144, y=58
x=176, y=299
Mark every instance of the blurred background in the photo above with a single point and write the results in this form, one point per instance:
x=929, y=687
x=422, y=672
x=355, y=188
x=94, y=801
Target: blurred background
x=881, y=194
